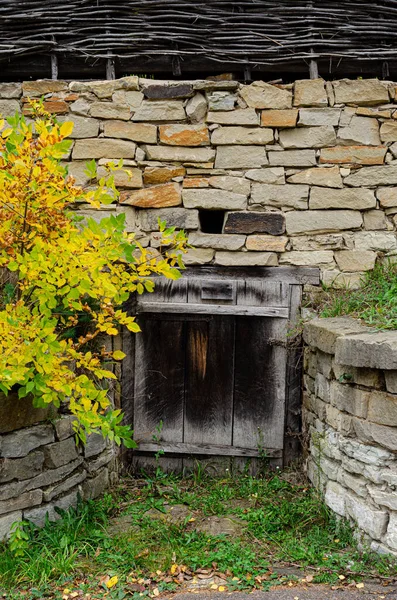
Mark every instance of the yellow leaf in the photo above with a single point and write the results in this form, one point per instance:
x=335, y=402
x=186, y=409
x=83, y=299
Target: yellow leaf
x=214, y=586
x=221, y=588
x=360, y=586
x=156, y=592
x=342, y=577
x=112, y=582
x=173, y=569
x=66, y=128
x=118, y=355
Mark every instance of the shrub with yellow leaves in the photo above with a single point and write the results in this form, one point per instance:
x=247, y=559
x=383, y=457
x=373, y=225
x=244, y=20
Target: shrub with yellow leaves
x=64, y=281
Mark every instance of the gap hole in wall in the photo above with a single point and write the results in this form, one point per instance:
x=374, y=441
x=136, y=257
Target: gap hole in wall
x=211, y=221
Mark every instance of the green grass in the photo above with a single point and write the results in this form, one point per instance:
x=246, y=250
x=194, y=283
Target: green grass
x=375, y=302
x=284, y=523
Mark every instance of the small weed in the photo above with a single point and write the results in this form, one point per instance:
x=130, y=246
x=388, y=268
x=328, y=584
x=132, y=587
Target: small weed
x=129, y=536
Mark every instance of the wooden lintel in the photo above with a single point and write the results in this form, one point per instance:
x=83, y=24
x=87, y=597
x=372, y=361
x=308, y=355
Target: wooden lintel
x=212, y=309
x=207, y=449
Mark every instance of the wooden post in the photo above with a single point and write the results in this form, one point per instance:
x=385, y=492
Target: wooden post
x=313, y=67
x=54, y=66
x=110, y=67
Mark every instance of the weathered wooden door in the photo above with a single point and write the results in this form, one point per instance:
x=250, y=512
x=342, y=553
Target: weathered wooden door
x=213, y=372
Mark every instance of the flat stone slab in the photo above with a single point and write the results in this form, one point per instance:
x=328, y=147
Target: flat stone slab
x=373, y=349
x=324, y=333
x=221, y=526
x=176, y=513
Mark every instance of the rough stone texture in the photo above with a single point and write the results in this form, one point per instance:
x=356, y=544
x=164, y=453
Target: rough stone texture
x=180, y=154
x=362, y=155
x=60, y=453
x=279, y=118
x=319, y=116
x=217, y=241
x=239, y=185
x=360, y=130
x=18, y=412
x=373, y=176
x=310, y=92
x=157, y=196
x=251, y=222
x=356, y=199
x=110, y=110
x=361, y=351
x=355, y=260
x=321, y=176
x=162, y=174
x=8, y=108
x=126, y=177
x=363, y=92
x=242, y=135
x=263, y=95
x=263, y=195
x=293, y=158
x=387, y=197
x=213, y=199
x=165, y=92
x=136, y=132
x=221, y=101
x=322, y=221
x=7, y=521
x=301, y=259
x=198, y=256
x=83, y=127
x=266, y=243
x=196, y=108
x=240, y=157
x=241, y=116
x=308, y=137
x=23, y=441
x=269, y=175
x=103, y=148
x=246, y=259
x=184, y=135
x=181, y=218
x=161, y=110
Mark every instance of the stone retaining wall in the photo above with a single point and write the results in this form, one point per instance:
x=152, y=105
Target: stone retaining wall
x=304, y=173
x=41, y=468
x=350, y=419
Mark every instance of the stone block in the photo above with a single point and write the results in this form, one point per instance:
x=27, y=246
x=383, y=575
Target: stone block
x=180, y=154
x=221, y=100
x=184, y=135
x=272, y=223
x=103, y=148
x=364, y=92
x=355, y=199
x=382, y=409
x=160, y=110
x=198, y=256
x=38, y=515
x=379, y=434
x=92, y=488
x=10, y=90
x=383, y=498
x=264, y=95
x=240, y=157
x=322, y=384
x=320, y=221
x=167, y=91
x=375, y=220
x=293, y=158
x=367, y=377
x=355, y=260
x=265, y=195
x=341, y=281
x=266, y=243
x=387, y=197
x=213, y=199
x=26, y=500
x=41, y=87
x=16, y=413
x=310, y=92
x=298, y=258
x=105, y=89
x=180, y=218
x=246, y=259
x=21, y=442
x=64, y=427
x=372, y=521
x=388, y=131
x=131, y=99
x=196, y=108
x=110, y=110
x=323, y=333
x=107, y=458
x=319, y=176
x=315, y=117
x=357, y=484
x=7, y=521
x=21, y=468
x=273, y=175
x=320, y=242
x=217, y=241
x=125, y=177
x=83, y=127
x=162, y=174
x=373, y=176
x=361, y=130
x=308, y=137
x=157, y=196
x=242, y=116
x=339, y=420
x=365, y=453
x=8, y=108
x=60, y=453
x=136, y=132
x=238, y=185
x=96, y=444
x=391, y=381
x=372, y=349
x=242, y=135
x=350, y=399
x=362, y=155
x=391, y=536
x=335, y=498
x=376, y=240
x=64, y=486
x=279, y=118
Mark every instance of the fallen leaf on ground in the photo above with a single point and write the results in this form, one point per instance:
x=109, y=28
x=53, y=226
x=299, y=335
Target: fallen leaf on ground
x=112, y=582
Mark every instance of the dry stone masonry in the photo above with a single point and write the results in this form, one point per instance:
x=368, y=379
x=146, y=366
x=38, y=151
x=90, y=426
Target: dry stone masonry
x=41, y=467
x=303, y=174
x=350, y=422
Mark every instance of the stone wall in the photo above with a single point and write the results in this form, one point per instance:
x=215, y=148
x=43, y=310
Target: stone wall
x=305, y=173
x=42, y=468
x=350, y=419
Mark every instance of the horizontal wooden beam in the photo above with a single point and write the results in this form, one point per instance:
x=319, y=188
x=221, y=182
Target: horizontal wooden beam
x=212, y=309
x=207, y=449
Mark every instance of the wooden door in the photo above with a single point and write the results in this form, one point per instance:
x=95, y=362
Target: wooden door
x=211, y=368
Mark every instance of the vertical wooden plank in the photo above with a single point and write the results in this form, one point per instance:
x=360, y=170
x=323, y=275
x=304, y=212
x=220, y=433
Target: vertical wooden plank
x=159, y=379
x=293, y=401
x=167, y=290
x=209, y=380
x=259, y=388
x=263, y=292
x=128, y=380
